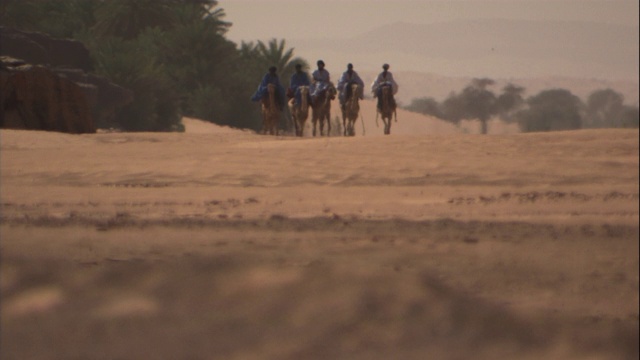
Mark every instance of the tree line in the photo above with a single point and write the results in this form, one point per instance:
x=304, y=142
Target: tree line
x=549, y=110
x=173, y=54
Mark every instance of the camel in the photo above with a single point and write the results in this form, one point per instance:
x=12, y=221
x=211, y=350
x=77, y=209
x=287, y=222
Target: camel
x=300, y=112
x=350, y=109
x=270, y=112
x=321, y=109
x=386, y=108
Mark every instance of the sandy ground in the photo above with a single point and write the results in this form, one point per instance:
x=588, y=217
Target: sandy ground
x=222, y=244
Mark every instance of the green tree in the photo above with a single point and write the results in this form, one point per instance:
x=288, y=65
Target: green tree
x=58, y=18
x=453, y=108
x=128, y=18
x=510, y=101
x=474, y=102
x=203, y=10
x=630, y=117
x=605, y=108
x=21, y=14
x=552, y=110
x=253, y=67
x=275, y=53
x=479, y=102
x=214, y=14
x=196, y=55
x=427, y=106
x=134, y=65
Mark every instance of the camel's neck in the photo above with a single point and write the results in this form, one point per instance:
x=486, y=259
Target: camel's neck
x=385, y=100
x=327, y=99
x=303, y=101
x=353, y=99
x=272, y=97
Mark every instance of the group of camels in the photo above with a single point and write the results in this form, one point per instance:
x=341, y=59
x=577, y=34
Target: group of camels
x=321, y=110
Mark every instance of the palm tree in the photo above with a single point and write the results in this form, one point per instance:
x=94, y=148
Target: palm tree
x=128, y=18
x=203, y=11
x=58, y=18
x=274, y=54
x=21, y=14
x=215, y=15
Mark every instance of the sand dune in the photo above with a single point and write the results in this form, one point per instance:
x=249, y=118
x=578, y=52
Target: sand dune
x=219, y=243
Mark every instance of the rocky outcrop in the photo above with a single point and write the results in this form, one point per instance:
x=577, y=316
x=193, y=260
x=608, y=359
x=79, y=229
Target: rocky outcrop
x=59, y=62
x=105, y=98
x=33, y=97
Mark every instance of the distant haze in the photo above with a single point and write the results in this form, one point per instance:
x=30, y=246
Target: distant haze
x=500, y=39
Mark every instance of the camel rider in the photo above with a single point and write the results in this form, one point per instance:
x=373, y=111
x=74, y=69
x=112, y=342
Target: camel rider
x=299, y=78
x=348, y=77
x=384, y=78
x=270, y=78
x=320, y=82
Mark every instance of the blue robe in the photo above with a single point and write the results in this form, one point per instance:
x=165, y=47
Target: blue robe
x=262, y=93
x=297, y=80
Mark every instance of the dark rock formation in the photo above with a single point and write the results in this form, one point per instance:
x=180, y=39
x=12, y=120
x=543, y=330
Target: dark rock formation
x=59, y=62
x=33, y=97
x=104, y=97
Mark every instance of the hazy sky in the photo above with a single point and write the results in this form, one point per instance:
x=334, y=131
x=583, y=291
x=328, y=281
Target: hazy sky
x=302, y=21
x=265, y=19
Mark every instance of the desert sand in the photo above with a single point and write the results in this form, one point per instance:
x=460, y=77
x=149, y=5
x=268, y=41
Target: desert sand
x=431, y=243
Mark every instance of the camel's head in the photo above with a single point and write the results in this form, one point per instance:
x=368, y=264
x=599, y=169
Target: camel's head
x=271, y=88
x=386, y=90
x=331, y=91
x=354, y=89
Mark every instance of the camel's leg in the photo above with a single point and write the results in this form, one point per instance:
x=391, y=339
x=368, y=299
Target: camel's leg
x=299, y=128
x=321, y=122
x=303, y=122
x=314, y=120
x=349, y=126
x=328, y=118
x=295, y=121
x=274, y=125
x=299, y=125
x=344, y=122
x=264, y=123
